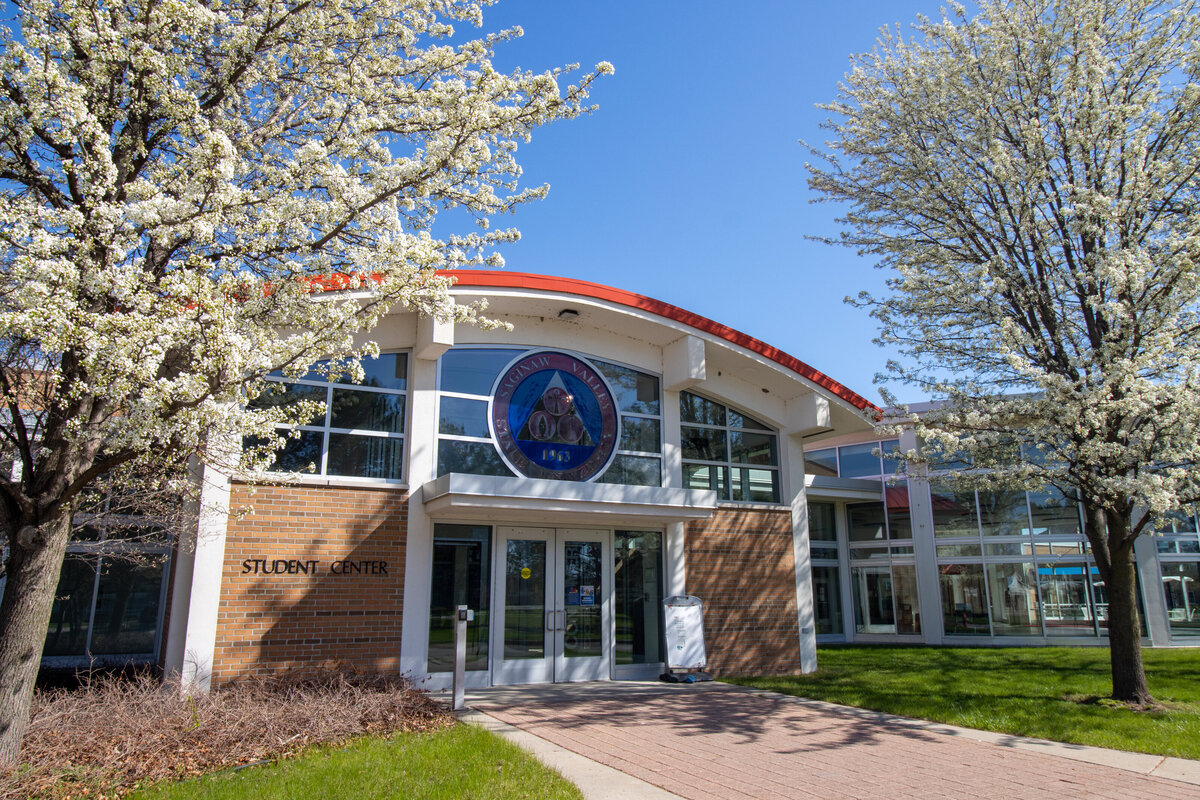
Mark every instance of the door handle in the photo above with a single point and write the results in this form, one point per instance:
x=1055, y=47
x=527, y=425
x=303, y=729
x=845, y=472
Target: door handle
x=562, y=621
x=550, y=619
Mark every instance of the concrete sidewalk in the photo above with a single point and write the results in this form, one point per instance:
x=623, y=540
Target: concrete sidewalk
x=653, y=740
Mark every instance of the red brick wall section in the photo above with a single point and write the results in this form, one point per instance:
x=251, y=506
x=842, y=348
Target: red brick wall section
x=740, y=563
x=346, y=610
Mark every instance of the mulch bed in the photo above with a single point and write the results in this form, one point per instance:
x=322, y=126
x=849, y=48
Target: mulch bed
x=114, y=734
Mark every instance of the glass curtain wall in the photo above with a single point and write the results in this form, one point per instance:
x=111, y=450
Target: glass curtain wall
x=1014, y=563
x=826, y=575
x=882, y=567
x=1179, y=571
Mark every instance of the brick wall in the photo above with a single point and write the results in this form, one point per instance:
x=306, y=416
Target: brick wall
x=740, y=563
x=347, y=609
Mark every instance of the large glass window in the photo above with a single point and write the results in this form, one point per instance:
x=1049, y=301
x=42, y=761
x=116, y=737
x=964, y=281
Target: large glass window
x=1014, y=599
x=1181, y=587
x=461, y=570
x=827, y=599
x=361, y=432
x=107, y=606
x=964, y=600
x=866, y=460
x=638, y=571
x=466, y=377
x=727, y=451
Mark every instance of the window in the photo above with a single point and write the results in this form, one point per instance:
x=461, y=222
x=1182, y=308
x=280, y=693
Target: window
x=727, y=451
x=465, y=380
x=855, y=460
x=361, y=432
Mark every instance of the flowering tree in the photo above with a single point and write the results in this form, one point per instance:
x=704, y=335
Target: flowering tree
x=191, y=191
x=1031, y=180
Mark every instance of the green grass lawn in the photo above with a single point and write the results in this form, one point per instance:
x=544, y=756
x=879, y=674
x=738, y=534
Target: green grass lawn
x=1045, y=692
x=460, y=762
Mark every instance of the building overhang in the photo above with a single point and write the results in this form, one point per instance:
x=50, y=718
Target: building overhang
x=498, y=498
x=822, y=487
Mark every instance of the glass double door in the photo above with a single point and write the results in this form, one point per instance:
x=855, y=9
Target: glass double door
x=554, y=598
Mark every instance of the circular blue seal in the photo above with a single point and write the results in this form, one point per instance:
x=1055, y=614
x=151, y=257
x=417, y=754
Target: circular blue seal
x=554, y=416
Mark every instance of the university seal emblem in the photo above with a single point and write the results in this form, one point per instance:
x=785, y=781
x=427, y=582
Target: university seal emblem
x=554, y=416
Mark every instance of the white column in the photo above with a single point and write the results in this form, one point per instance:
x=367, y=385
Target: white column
x=204, y=596
x=920, y=511
x=418, y=549
x=1145, y=552
x=793, y=480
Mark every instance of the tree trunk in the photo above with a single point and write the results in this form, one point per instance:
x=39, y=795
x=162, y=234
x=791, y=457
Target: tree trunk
x=1125, y=630
x=33, y=568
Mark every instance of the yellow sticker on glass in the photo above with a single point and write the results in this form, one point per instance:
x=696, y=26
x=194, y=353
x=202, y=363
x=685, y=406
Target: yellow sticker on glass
x=526, y=572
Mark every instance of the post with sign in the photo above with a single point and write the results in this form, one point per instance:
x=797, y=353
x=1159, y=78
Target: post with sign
x=686, y=658
x=462, y=617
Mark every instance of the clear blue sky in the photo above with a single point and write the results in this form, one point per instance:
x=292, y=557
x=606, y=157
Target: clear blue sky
x=688, y=184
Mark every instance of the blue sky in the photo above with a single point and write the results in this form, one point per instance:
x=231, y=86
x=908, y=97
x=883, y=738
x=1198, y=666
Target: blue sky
x=688, y=184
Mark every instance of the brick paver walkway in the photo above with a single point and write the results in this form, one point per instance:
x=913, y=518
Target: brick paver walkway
x=731, y=745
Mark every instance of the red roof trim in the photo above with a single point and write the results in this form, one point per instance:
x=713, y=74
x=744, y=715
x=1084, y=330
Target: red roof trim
x=549, y=283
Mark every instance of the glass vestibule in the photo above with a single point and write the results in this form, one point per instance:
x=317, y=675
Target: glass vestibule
x=566, y=604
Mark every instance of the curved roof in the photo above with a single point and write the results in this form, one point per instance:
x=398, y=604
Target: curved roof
x=596, y=291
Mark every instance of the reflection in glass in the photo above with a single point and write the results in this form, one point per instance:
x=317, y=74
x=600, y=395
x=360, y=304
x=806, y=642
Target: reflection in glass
x=1054, y=513
x=473, y=370
x=754, y=485
x=964, y=600
x=388, y=371
x=638, y=597
x=860, y=461
x=365, y=456
x=821, y=524
x=1014, y=599
x=1181, y=586
x=642, y=435
x=908, y=608
x=1003, y=513
x=633, y=471
x=298, y=451
x=898, y=514
x=953, y=510
x=525, y=599
x=704, y=444
x=461, y=570
x=368, y=411
x=821, y=462
x=866, y=521
x=872, y=589
x=704, y=476
x=282, y=395
x=752, y=448
x=470, y=458
x=71, y=615
x=827, y=599
x=696, y=409
x=582, y=596
x=460, y=416
x=1066, y=604
x=636, y=392
x=127, y=605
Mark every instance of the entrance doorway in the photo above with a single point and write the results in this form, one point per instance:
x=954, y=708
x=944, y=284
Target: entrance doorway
x=553, y=619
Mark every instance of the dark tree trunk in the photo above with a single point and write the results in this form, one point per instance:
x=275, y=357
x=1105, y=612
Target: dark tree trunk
x=1125, y=630
x=33, y=568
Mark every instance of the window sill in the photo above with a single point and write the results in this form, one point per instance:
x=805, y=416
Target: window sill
x=342, y=481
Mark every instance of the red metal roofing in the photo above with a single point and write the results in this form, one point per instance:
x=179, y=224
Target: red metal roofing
x=549, y=283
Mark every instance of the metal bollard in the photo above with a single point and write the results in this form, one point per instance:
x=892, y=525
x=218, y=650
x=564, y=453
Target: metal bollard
x=462, y=617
